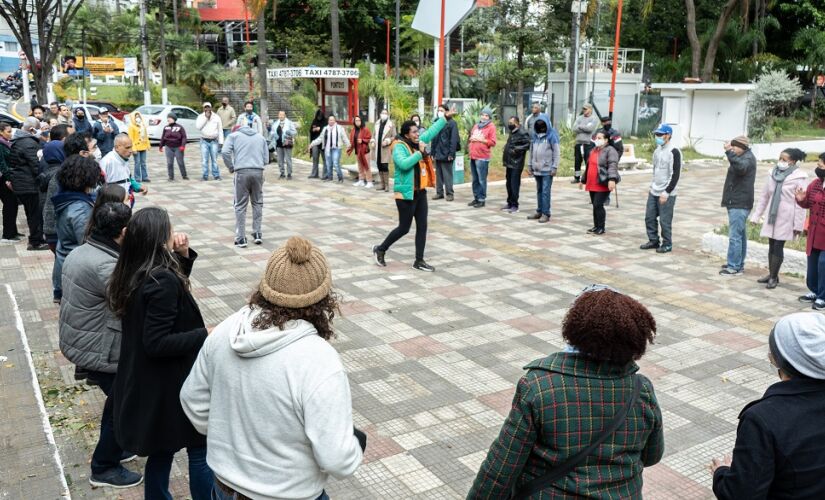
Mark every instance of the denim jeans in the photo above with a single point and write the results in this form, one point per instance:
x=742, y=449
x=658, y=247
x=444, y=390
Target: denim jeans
x=218, y=494
x=816, y=273
x=209, y=156
x=479, y=170
x=332, y=158
x=141, y=174
x=664, y=213
x=543, y=185
x=737, y=238
x=159, y=465
x=107, y=453
x=318, y=153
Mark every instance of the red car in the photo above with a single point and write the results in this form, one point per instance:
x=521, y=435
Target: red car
x=113, y=110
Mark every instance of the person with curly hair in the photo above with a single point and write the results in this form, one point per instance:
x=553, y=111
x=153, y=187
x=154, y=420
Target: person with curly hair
x=583, y=422
x=271, y=393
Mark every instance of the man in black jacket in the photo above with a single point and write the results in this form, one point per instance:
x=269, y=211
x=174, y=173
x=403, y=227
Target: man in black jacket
x=24, y=171
x=738, y=199
x=515, y=152
x=443, y=149
x=778, y=452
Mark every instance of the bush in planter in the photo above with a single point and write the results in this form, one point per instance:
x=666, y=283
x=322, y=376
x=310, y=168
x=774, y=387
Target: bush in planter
x=774, y=95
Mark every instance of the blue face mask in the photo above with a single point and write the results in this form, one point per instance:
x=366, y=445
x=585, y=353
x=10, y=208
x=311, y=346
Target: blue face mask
x=660, y=141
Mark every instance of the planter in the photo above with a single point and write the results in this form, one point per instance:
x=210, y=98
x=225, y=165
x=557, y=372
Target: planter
x=717, y=244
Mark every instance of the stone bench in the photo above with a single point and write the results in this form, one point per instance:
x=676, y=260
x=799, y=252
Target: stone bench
x=628, y=159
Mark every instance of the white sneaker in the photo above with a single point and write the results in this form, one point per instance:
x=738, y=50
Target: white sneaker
x=369, y=185
x=358, y=184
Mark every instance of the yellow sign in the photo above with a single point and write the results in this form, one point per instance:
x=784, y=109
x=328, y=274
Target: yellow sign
x=102, y=66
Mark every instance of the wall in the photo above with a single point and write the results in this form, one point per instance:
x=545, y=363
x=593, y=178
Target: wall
x=705, y=119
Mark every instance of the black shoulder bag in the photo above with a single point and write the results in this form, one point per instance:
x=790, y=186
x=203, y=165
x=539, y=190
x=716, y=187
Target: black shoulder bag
x=540, y=483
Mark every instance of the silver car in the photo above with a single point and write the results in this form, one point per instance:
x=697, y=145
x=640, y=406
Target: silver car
x=155, y=116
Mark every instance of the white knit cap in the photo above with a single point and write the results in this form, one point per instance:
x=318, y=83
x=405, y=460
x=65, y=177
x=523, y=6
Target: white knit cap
x=800, y=340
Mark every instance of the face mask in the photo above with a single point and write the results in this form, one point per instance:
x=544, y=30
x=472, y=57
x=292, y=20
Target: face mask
x=441, y=114
x=417, y=123
x=820, y=172
x=249, y=111
x=138, y=120
x=511, y=127
x=660, y=141
x=782, y=165
x=600, y=143
x=383, y=117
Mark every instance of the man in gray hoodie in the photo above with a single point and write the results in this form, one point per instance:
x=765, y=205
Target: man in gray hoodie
x=584, y=127
x=245, y=153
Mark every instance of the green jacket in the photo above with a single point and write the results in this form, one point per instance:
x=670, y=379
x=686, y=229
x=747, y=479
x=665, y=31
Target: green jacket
x=560, y=406
x=405, y=162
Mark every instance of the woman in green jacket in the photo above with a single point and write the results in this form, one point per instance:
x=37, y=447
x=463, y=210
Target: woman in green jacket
x=408, y=155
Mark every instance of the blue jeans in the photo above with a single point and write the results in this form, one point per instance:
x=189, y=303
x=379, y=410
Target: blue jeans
x=479, y=170
x=737, y=238
x=218, y=494
x=159, y=465
x=816, y=273
x=333, y=158
x=543, y=185
x=209, y=155
x=141, y=174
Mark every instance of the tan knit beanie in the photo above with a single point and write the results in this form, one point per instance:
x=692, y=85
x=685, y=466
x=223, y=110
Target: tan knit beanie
x=297, y=275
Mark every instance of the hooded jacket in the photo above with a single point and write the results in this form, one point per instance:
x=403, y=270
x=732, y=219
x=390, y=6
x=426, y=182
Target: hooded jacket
x=82, y=126
x=740, y=180
x=515, y=151
x=275, y=406
x=407, y=162
x=138, y=133
x=245, y=149
x=53, y=157
x=105, y=140
x=446, y=143
x=544, y=149
x=24, y=163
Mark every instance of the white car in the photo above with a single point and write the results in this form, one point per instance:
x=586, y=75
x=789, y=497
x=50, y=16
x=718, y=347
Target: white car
x=93, y=113
x=155, y=116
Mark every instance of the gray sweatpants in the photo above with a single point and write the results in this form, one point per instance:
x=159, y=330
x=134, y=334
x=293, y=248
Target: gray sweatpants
x=285, y=157
x=249, y=183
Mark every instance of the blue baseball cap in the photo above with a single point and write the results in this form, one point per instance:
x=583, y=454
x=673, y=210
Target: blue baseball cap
x=664, y=130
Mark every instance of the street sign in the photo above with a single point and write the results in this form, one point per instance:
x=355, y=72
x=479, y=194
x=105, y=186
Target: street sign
x=311, y=72
x=428, y=16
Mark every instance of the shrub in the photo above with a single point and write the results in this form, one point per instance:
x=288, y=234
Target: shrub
x=773, y=96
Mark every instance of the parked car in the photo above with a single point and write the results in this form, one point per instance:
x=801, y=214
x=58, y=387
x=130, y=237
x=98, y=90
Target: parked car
x=10, y=119
x=155, y=116
x=113, y=110
x=93, y=112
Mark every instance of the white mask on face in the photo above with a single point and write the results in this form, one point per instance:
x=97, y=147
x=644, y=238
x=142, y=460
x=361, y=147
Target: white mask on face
x=783, y=165
x=600, y=143
x=383, y=117
x=441, y=114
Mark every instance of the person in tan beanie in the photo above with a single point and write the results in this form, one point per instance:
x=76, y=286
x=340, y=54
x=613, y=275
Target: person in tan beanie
x=270, y=392
x=737, y=198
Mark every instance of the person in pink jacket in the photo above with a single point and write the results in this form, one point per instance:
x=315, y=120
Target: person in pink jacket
x=482, y=141
x=784, y=218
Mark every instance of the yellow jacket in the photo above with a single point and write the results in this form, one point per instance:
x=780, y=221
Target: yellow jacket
x=138, y=133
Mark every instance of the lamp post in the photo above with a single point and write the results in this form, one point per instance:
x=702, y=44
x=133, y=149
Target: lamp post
x=576, y=7
x=386, y=22
x=615, y=58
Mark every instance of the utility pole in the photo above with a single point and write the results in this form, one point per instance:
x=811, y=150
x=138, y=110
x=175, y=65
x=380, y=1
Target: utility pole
x=577, y=7
x=397, y=40
x=144, y=55
x=164, y=92
x=83, y=55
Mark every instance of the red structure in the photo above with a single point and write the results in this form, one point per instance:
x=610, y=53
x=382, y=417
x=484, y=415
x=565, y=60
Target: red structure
x=351, y=94
x=220, y=10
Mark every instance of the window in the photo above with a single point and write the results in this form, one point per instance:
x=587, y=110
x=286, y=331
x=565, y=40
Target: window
x=186, y=114
x=11, y=46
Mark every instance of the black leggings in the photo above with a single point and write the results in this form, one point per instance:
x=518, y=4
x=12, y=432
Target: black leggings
x=407, y=211
x=598, y=198
x=776, y=247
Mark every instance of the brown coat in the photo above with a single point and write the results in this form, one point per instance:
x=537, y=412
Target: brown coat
x=385, y=141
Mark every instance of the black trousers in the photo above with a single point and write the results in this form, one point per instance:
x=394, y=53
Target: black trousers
x=407, y=211
x=9, y=201
x=776, y=247
x=107, y=453
x=34, y=216
x=580, y=155
x=513, y=185
x=599, y=215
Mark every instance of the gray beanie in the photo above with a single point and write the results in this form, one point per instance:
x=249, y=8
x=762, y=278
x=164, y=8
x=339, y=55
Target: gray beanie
x=31, y=123
x=799, y=340
x=487, y=111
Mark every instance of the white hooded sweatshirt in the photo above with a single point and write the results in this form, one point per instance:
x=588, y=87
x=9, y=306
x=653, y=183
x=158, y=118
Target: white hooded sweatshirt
x=275, y=406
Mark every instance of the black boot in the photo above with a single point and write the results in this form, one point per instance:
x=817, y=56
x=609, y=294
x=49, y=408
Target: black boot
x=774, y=262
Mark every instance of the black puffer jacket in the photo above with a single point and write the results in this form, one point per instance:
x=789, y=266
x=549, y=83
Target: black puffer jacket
x=516, y=148
x=740, y=180
x=24, y=164
x=446, y=143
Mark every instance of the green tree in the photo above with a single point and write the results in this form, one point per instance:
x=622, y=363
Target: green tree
x=197, y=67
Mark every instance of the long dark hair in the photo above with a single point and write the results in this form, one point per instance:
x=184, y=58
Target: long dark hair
x=110, y=193
x=319, y=118
x=143, y=252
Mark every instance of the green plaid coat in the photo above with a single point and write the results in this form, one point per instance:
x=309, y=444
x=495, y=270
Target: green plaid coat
x=560, y=406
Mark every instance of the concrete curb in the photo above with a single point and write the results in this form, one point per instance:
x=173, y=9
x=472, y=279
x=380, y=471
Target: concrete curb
x=717, y=244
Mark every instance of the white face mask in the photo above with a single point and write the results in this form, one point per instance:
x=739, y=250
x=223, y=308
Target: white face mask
x=138, y=120
x=383, y=117
x=600, y=143
x=783, y=165
x=441, y=114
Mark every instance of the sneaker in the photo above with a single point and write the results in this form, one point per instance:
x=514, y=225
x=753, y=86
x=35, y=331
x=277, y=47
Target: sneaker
x=450, y=197
x=599, y=231
x=37, y=247
x=479, y=204
x=808, y=297
x=149, y=181
x=240, y=242
x=535, y=216
x=514, y=210
x=127, y=456
x=218, y=179
x=664, y=249
x=341, y=180
x=370, y=185
x=505, y=208
x=818, y=305
x=171, y=179
x=649, y=245
x=592, y=230
x=423, y=266
x=256, y=237
x=327, y=179
x=204, y=179
x=730, y=272
x=185, y=178
x=379, y=256
x=438, y=197
x=282, y=177
x=544, y=219
x=118, y=477
x=575, y=180
x=358, y=184
x=289, y=177
x=13, y=239
x=472, y=203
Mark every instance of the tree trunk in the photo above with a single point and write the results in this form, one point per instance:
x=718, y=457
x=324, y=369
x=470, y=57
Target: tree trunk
x=262, y=65
x=520, y=82
x=713, y=44
x=175, y=16
x=336, y=37
x=695, y=44
x=162, y=35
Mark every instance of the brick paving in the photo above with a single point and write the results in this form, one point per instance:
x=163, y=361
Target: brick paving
x=433, y=358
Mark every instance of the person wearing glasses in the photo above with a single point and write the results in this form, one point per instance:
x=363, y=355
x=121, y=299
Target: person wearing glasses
x=667, y=167
x=571, y=402
x=778, y=451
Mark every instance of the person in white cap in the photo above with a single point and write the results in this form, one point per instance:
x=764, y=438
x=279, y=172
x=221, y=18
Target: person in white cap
x=778, y=452
x=211, y=128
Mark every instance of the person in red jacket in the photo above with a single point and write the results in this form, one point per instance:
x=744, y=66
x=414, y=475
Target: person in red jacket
x=174, y=138
x=359, y=138
x=482, y=141
x=814, y=199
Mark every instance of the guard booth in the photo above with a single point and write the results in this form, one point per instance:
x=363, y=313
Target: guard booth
x=337, y=88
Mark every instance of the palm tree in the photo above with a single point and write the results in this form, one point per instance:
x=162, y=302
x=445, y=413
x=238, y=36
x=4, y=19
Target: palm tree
x=198, y=67
x=257, y=8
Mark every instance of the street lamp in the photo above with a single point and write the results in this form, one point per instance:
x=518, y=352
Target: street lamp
x=382, y=21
